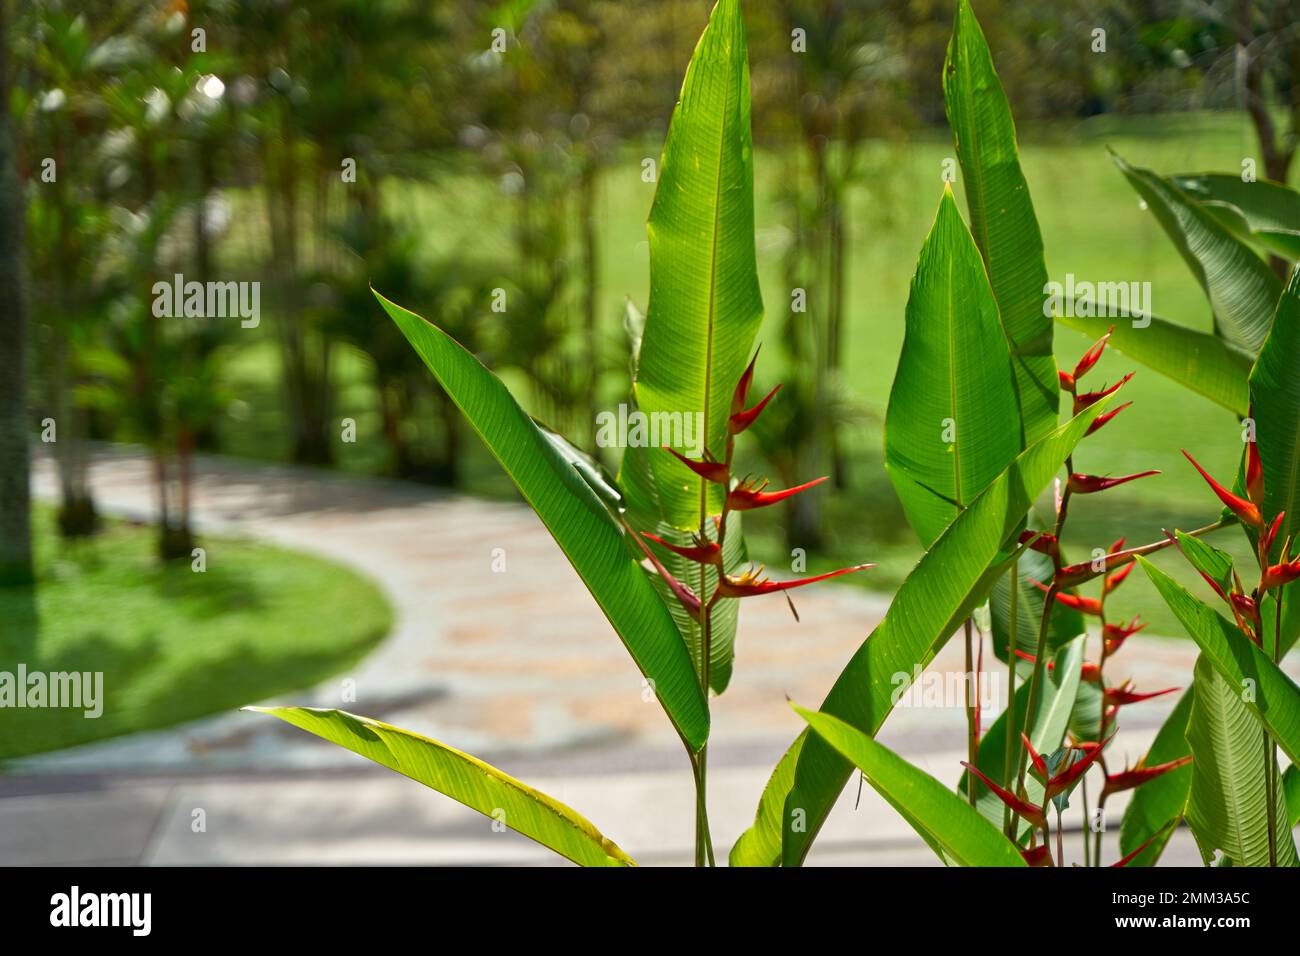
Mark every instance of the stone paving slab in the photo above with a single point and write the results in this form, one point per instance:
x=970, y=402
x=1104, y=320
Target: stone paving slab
x=520, y=667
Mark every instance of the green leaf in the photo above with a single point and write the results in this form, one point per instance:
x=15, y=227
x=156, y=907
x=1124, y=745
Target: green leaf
x=946, y=822
x=760, y=845
x=1275, y=405
x=1241, y=288
x=465, y=779
x=1002, y=217
x=705, y=307
x=1159, y=804
x=1210, y=561
x=1205, y=363
x=1227, y=809
x=948, y=583
x=1266, y=691
x=1291, y=787
x=1055, y=704
x=1262, y=211
x=952, y=425
x=576, y=517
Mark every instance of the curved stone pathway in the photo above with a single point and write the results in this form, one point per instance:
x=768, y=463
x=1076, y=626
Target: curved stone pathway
x=518, y=666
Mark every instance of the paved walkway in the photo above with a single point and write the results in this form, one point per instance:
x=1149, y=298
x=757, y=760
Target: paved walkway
x=519, y=667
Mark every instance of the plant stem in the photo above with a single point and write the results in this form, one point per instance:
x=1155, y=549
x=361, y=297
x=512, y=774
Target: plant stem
x=1101, y=820
x=1087, y=854
x=972, y=739
x=1012, y=641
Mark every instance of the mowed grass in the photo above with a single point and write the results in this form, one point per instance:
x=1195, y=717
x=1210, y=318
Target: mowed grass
x=174, y=644
x=1092, y=226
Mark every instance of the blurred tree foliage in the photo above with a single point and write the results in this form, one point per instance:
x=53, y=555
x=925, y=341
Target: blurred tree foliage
x=265, y=140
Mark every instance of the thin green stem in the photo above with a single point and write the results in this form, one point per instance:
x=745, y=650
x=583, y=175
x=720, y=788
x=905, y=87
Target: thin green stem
x=1009, y=753
x=972, y=737
x=1087, y=854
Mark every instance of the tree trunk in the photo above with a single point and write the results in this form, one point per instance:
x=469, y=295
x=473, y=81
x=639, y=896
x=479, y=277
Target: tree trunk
x=15, y=464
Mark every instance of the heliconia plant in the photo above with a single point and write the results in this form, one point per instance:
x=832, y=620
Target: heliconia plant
x=973, y=439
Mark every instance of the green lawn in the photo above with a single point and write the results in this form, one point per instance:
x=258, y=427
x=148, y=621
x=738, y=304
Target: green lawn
x=174, y=644
x=1092, y=226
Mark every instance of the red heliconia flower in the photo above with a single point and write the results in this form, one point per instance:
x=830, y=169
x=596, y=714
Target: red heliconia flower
x=1091, y=398
x=741, y=420
x=1101, y=420
x=687, y=598
x=1254, y=474
x=1279, y=574
x=1088, y=484
x=1091, y=357
x=1266, y=539
x=1115, y=580
x=753, y=582
x=1125, y=861
x=1040, y=855
x=1040, y=541
x=1080, y=603
x=703, y=552
x=1128, y=779
x=1032, y=814
x=707, y=469
x=747, y=496
x=1114, y=635
x=741, y=393
x=1066, y=380
x=1245, y=510
x=1064, y=778
x=1124, y=694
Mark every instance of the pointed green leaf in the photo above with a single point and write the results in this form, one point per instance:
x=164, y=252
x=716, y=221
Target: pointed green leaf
x=1207, y=364
x=951, y=826
x=1262, y=211
x=1227, y=809
x=1159, y=804
x=464, y=778
x=1266, y=691
x=1210, y=561
x=948, y=583
x=1241, y=288
x=576, y=517
x=760, y=845
x=1275, y=406
x=1002, y=217
x=705, y=307
x=952, y=425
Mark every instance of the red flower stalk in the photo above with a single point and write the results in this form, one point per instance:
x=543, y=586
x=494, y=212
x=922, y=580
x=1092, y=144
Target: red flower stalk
x=707, y=469
x=1090, y=398
x=1243, y=509
x=1279, y=574
x=1115, y=580
x=703, y=552
x=1254, y=474
x=1065, y=777
x=742, y=385
x=1114, y=635
x=1040, y=855
x=741, y=420
x=1124, y=694
x=1080, y=603
x=1145, y=843
x=1040, y=541
x=1031, y=813
x=1101, y=420
x=688, y=598
x=747, y=496
x=1266, y=539
x=1088, y=484
x=1128, y=779
x=753, y=582
x=1091, y=356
